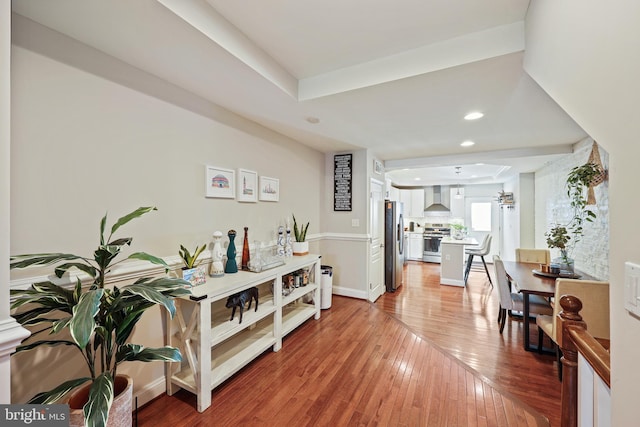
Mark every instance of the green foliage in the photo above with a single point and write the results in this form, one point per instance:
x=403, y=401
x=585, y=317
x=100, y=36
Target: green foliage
x=188, y=259
x=578, y=181
x=100, y=320
x=299, y=233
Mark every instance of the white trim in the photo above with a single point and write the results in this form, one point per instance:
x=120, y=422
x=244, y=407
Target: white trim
x=149, y=392
x=349, y=292
x=353, y=237
x=11, y=335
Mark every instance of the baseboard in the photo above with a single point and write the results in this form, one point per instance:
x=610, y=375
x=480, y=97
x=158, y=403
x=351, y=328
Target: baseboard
x=150, y=392
x=349, y=292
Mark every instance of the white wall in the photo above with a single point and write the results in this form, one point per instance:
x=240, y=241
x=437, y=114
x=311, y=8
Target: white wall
x=518, y=224
x=83, y=144
x=586, y=56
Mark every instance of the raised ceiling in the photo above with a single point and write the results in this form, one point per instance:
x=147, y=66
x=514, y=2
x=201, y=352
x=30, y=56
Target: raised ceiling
x=394, y=77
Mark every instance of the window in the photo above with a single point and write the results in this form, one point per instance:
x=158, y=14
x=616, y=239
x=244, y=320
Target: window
x=481, y=216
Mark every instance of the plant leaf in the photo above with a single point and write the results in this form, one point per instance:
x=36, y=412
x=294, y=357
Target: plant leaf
x=63, y=268
x=51, y=343
x=96, y=410
x=125, y=327
x=146, y=257
x=136, y=352
x=121, y=242
x=146, y=291
x=133, y=215
x=54, y=395
x=27, y=260
x=83, y=323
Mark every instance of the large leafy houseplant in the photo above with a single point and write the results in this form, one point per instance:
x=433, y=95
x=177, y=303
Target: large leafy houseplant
x=99, y=319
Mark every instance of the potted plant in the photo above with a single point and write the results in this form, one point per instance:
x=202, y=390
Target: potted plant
x=457, y=230
x=565, y=237
x=191, y=272
x=300, y=246
x=97, y=320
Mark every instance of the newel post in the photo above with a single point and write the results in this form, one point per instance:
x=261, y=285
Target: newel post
x=570, y=318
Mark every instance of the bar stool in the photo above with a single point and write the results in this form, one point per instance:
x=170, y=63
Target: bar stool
x=480, y=251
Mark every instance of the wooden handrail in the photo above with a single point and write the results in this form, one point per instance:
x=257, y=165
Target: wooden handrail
x=576, y=339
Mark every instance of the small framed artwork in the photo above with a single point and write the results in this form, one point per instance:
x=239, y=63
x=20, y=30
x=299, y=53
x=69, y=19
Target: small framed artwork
x=269, y=189
x=247, y=185
x=377, y=167
x=220, y=182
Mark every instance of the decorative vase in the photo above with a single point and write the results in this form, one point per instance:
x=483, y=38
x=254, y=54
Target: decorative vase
x=120, y=411
x=288, y=250
x=280, y=250
x=566, y=264
x=217, y=266
x=232, y=265
x=300, y=248
x=457, y=234
x=245, y=250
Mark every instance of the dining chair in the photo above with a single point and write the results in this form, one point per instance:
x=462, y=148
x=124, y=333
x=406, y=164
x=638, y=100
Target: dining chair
x=482, y=250
x=594, y=296
x=514, y=301
x=540, y=256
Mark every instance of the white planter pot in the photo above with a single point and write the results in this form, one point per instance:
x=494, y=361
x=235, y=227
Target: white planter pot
x=300, y=248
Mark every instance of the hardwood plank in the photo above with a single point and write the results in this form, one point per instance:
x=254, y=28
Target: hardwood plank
x=375, y=364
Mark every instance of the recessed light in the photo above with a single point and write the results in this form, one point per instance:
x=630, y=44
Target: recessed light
x=467, y=144
x=474, y=115
x=313, y=120
x=417, y=179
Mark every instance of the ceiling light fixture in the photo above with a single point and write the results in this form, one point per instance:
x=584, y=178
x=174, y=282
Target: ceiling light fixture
x=313, y=120
x=467, y=144
x=458, y=195
x=474, y=115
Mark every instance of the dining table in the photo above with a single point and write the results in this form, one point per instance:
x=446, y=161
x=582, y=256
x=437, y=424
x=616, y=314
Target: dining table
x=526, y=282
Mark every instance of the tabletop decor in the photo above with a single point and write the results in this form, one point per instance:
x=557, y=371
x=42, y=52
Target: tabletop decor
x=217, y=266
x=191, y=271
x=300, y=246
x=96, y=320
x=232, y=264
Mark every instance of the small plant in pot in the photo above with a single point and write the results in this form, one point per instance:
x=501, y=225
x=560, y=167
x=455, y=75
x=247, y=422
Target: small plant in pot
x=191, y=272
x=457, y=230
x=558, y=237
x=300, y=246
x=97, y=319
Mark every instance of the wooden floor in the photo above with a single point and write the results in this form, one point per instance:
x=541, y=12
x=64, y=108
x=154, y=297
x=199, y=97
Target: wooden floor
x=382, y=364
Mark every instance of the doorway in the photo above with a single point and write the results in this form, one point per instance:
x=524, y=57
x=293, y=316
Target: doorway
x=376, y=245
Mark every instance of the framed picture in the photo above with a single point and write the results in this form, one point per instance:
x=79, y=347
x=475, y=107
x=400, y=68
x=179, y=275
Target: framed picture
x=269, y=189
x=377, y=167
x=247, y=186
x=220, y=182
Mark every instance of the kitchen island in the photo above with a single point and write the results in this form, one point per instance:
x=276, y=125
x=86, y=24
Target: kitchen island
x=452, y=264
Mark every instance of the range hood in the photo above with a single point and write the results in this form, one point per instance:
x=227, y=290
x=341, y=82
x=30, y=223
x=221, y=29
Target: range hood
x=437, y=205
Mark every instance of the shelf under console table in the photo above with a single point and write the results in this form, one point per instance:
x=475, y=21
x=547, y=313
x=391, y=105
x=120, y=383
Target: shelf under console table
x=213, y=347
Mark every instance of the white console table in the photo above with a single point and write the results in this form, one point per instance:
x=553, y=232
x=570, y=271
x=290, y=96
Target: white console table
x=214, y=347
x=452, y=263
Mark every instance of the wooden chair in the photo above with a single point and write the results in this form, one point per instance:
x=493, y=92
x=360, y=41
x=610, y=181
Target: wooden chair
x=513, y=301
x=595, y=311
x=540, y=256
x=482, y=250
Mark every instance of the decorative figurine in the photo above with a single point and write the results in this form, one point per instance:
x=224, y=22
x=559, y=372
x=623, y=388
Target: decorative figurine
x=245, y=250
x=217, y=266
x=240, y=299
x=280, y=241
x=232, y=265
x=288, y=248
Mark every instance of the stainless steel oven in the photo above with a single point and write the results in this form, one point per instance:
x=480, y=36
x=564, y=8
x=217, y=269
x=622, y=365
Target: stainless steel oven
x=432, y=237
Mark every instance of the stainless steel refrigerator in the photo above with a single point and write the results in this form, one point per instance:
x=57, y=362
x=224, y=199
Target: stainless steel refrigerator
x=393, y=245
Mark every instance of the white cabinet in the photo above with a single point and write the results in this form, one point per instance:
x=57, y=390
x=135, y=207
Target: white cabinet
x=413, y=201
x=415, y=247
x=214, y=347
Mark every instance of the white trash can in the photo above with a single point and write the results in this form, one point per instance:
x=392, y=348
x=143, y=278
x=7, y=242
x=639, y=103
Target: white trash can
x=326, y=286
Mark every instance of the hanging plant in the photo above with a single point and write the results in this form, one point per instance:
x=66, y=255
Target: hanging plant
x=578, y=182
